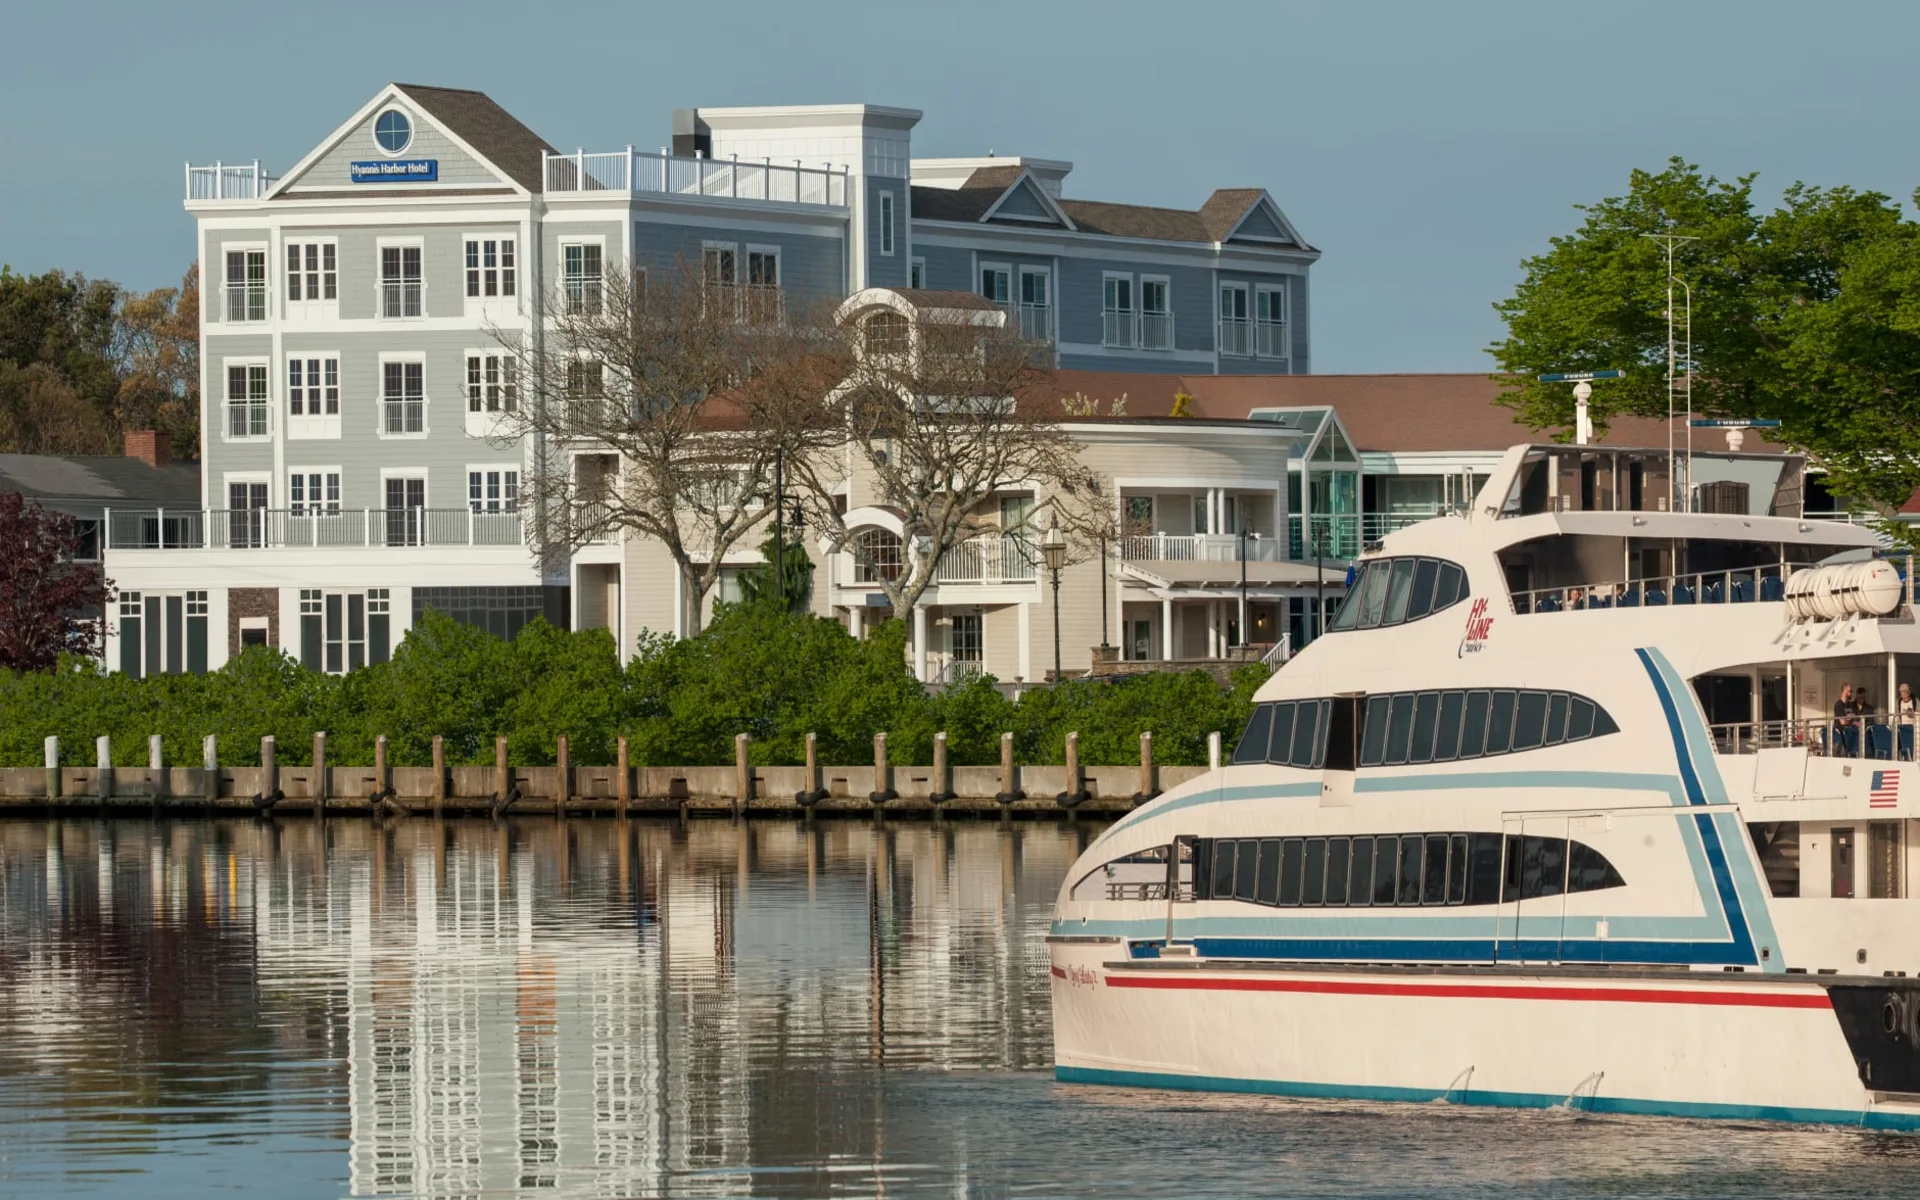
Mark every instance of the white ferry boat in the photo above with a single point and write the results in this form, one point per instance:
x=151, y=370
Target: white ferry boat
x=1557, y=813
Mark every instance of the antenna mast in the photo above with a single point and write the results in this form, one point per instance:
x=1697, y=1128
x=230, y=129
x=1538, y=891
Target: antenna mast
x=1674, y=492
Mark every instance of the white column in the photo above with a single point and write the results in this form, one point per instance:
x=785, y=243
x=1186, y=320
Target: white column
x=920, y=642
x=1166, y=630
x=857, y=621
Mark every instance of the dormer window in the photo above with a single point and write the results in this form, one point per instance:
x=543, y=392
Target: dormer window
x=885, y=333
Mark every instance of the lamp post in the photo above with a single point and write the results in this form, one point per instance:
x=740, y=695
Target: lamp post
x=1053, y=547
x=1243, y=585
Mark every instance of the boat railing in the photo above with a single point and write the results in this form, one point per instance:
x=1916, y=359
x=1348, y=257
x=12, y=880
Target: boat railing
x=1146, y=891
x=1740, y=585
x=1865, y=737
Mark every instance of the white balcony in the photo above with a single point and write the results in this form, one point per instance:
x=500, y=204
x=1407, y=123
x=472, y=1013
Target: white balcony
x=1199, y=547
x=1036, y=322
x=1270, y=340
x=988, y=559
x=638, y=173
x=223, y=181
x=311, y=528
x=1236, y=336
x=1156, y=331
x=1117, y=329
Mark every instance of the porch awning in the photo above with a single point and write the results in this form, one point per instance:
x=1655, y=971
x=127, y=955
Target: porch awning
x=1226, y=575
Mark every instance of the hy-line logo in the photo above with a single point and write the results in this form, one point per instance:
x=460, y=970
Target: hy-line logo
x=1479, y=625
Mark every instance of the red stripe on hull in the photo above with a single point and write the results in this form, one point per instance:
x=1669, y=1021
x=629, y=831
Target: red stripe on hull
x=1605, y=995
x=1059, y=972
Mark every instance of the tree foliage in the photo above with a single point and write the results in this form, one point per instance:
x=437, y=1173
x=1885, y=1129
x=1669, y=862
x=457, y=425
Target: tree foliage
x=1809, y=313
x=49, y=604
x=774, y=676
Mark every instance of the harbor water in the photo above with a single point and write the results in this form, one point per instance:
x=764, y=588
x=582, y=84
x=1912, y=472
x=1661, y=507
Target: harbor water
x=543, y=1007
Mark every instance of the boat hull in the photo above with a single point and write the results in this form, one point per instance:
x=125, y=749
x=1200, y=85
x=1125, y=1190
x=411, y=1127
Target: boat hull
x=1667, y=1043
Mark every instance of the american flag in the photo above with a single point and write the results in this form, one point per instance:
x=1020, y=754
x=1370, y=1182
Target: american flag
x=1885, y=792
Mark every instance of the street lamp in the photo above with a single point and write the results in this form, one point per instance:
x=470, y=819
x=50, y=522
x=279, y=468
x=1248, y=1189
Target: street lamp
x=1243, y=584
x=1053, y=547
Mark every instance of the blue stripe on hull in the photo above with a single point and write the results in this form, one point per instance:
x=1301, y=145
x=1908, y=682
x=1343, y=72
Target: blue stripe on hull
x=1621, y=1105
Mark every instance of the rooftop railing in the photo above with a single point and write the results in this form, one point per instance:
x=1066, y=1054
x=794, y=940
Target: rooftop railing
x=634, y=171
x=311, y=528
x=1738, y=585
x=225, y=181
x=1198, y=547
x=1866, y=737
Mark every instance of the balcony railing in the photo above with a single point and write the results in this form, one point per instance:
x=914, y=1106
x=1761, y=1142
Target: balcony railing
x=1235, y=336
x=1868, y=736
x=279, y=528
x=1324, y=535
x=243, y=181
x=1741, y=586
x=1117, y=329
x=1036, y=322
x=634, y=171
x=988, y=559
x=1156, y=331
x=1270, y=340
x=1197, y=547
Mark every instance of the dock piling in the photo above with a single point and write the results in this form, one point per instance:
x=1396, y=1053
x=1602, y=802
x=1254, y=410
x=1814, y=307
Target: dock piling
x=157, y=768
x=319, y=785
x=103, y=767
x=742, y=775
x=210, y=769
x=439, y=785
x=1148, y=790
x=622, y=778
x=1009, y=777
x=1213, y=751
x=1076, y=778
x=942, y=782
x=53, y=768
x=882, y=778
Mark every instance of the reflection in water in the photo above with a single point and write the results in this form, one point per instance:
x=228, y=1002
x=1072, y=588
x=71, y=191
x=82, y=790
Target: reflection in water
x=604, y=1009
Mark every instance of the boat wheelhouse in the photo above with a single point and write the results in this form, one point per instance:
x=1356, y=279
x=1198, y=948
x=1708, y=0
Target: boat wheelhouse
x=1565, y=802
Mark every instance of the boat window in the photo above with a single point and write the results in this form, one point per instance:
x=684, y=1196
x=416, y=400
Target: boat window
x=1373, y=738
x=1306, y=720
x=1390, y=870
x=1141, y=875
x=1313, y=873
x=1473, y=732
x=1252, y=747
x=1556, y=718
x=1337, y=870
x=1424, y=710
x=1529, y=720
x=1281, y=744
x=1348, y=615
x=1500, y=723
x=1420, y=603
x=1399, y=728
x=1446, y=742
x=1399, y=586
x=1451, y=587
x=1267, y=885
x=1373, y=592
x=1360, y=874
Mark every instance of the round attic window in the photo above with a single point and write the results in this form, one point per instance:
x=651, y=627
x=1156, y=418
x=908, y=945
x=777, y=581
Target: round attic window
x=393, y=132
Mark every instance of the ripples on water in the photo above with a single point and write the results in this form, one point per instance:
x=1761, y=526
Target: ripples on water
x=598, y=1009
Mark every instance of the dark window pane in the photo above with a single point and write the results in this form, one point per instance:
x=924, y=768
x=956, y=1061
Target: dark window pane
x=1433, y=889
x=379, y=639
x=1603, y=722
x=310, y=641
x=1290, y=864
x=1399, y=728
x=130, y=655
x=1336, y=891
x=1556, y=718
x=1457, y=869
x=1542, y=867
x=1306, y=733
x=1267, y=883
x=1451, y=587
x=1223, y=869
x=1253, y=741
x=1245, y=869
x=1360, y=877
x=1589, y=871
x=1398, y=587
x=1426, y=709
x=1202, y=868
x=1373, y=737
x=1500, y=723
x=1529, y=720
x=1320, y=742
x=197, y=645
x=1386, y=870
x=1473, y=727
x=1421, y=602
x=1579, y=719
x=1281, y=740
x=1313, y=874
x=1483, y=882
x=1410, y=848
x=1446, y=740
x=1372, y=589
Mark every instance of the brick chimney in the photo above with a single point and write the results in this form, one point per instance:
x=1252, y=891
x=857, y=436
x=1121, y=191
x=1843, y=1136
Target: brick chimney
x=150, y=446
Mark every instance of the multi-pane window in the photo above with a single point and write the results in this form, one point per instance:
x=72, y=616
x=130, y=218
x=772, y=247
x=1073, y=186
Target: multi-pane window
x=586, y=385
x=969, y=637
x=247, y=400
x=492, y=383
x=1270, y=322
x=406, y=511
x=1036, y=305
x=1234, y=336
x=400, y=285
x=582, y=276
x=246, y=285
x=247, y=514
x=313, y=387
x=1398, y=870
x=403, y=397
x=163, y=634
x=763, y=286
x=313, y=271
x=720, y=271
x=917, y=273
x=343, y=631
x=996, y=284
x=490, y=267
x=1116, y=305
x=1156, y=315
x=310, y=493
x=886, y=223
x=492, y=491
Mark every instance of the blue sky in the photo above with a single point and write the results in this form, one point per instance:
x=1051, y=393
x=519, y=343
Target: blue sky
x=1424, y=147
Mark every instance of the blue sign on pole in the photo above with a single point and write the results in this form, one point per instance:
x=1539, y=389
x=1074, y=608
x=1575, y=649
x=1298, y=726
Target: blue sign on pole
x=1733, y=423
x=1580, y=376
x=396, y=170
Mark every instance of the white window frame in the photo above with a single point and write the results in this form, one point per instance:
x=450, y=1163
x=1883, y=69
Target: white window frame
x=1119, y=326
x=1261, y=323
x=1026, y=272
x=229, y=292
x=887, y=213
x=567, y=299
x=265, y=404
x=1221, y=320
x=917, y=272
x=308, y=424
x=761, y=305
x=380, y=395
x=333, y=481
x=1140, y=298
x=504, y=470
x=322, y=304
x=484, y=421
x=379, y=536
x=250, y=533
x=506, y=277
x=1011, y=299
x=380, y=248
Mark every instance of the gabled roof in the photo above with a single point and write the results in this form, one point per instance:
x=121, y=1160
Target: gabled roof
x=980, y=197
x=493, y=133
x=1214, y=222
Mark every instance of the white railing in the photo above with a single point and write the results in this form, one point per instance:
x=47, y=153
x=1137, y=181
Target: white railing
x=1743, y=585
x=988, y=559
x=1867, y=736
x=635, y=171
x=309, y=528
x=1156, y=331
x=1234, y=335
x=1270, y=340
x=1198, y=547
x=1282, y=650
x=245, y=181
x=1117, y=329
x=1036, y=322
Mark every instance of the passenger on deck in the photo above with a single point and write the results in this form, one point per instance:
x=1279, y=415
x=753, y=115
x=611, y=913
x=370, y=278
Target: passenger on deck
x=1906, y=709
x=1846, y=724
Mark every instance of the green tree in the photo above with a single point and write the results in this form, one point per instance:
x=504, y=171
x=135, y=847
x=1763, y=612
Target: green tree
x=790, y=557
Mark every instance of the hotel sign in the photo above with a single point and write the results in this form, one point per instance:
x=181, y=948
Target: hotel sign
x=396, y=170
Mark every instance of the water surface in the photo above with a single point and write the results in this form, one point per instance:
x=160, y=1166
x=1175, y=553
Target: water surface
x=590, y=1008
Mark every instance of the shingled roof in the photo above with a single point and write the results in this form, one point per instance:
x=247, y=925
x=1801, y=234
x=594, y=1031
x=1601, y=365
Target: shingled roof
x=1213, y=222
x=494, y=133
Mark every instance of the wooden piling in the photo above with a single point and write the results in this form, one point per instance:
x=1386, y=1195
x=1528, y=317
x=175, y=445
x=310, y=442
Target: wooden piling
x=942, y=782
x=319, y=785
x=1148, y=788
x=882, y=778
x=438, y=789
x=502, y=775
x=622, y=779
x=563, y=767
x=1213, y=751
x=103, y=768
x=1076, y=779
x=157, y=769
x=1009, y=777
x=812, y=793
x=269, y=771
x=53, y=768
x=210, y=770
x=381, y=791
x=742, y=775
